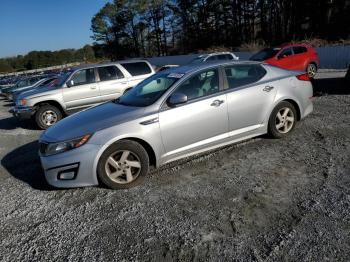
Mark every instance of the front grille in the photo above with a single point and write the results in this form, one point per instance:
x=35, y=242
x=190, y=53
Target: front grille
x=43, y=147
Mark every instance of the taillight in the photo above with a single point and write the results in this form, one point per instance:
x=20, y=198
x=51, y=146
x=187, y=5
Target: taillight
x=303, y=77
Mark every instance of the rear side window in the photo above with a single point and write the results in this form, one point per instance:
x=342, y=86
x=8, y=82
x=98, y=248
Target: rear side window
x=299, y=49
x=212, y=58
x=137, y=68
x=240, y=75
x=109, y=73
x=225, y=57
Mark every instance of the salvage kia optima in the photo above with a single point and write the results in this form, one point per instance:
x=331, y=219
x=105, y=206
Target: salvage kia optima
x=173, y=114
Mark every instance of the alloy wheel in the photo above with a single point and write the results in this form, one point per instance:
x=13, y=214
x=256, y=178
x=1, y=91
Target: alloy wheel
x=284, y=120
x=123, y=167
x=311, y=70
x=49, y=117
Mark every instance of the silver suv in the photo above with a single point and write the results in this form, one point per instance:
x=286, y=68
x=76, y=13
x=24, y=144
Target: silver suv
x=215, y=57
x=80, y=88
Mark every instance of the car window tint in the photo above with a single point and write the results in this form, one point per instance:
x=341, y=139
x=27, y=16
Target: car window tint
x=225, y=57
x=33, y=81
x=109, y=73
x=137, y=68
x=299, y=49
x=156, y=85
x=240, y=75
x=22, y=83
x=202, y=84
x=286, y=52
x=46, y=82
x=84, y=76
x=212, y=58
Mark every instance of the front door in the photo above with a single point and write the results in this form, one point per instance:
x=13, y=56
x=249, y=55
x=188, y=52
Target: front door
x=200, y=122
x=285, y=58
x=83, y=90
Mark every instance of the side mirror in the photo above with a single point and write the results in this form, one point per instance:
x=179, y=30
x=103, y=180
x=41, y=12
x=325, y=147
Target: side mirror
x=176, y=99
x=70, y=83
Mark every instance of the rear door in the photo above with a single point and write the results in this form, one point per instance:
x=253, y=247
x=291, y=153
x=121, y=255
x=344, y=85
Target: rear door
x=138, y=71
x=300, y=57
x=84, y=90
x=248, y=102
x=111, y=81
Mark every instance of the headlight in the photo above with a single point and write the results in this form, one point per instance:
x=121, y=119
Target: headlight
x=48, y=149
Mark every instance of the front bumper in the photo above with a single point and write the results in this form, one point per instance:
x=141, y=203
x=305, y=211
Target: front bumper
x=74, y=168
x=24, y=112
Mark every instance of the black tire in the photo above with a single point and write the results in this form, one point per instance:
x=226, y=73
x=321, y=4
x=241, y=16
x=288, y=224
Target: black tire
x=40, y=115
x=274, y=120
x=137, y=151
x=311, y=70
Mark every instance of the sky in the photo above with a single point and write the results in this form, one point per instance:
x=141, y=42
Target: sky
x=27, y=25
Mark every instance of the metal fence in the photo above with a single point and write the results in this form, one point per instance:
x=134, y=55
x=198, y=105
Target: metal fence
x=331, y=57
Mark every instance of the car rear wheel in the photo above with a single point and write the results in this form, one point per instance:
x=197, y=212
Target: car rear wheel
x=282, y=120
x=123, y=165
x=47, y=115
x=311, y=70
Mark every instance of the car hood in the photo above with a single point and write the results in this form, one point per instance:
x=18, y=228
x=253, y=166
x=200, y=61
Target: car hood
x=90, y=121
x=34, y=92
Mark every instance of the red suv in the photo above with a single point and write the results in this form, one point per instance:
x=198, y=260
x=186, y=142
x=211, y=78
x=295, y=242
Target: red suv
x=291, y=56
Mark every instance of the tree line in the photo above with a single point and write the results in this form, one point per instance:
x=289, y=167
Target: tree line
x=137, y=28
x=144, y=28
x=41, y=59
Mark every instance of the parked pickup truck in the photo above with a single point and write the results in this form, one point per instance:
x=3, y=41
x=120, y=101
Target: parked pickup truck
x=80, y=88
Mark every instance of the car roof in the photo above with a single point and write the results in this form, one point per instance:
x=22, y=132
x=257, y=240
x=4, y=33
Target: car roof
x=293, y=44
x=214, y=53
x=107, y=63
x=196, y=67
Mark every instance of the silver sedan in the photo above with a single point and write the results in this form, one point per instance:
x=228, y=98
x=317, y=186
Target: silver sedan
x=174, y=114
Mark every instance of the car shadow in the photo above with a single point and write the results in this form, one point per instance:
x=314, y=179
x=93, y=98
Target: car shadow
x=331, y=86
x=23, y=163
x=11, y=123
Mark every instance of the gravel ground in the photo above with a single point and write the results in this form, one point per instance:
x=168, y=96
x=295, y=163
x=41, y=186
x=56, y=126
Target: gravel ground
x=261, y=200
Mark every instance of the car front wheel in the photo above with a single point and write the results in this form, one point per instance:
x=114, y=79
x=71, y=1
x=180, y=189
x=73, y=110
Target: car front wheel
x=47, y=115
x=282, y=120
x=123, y=165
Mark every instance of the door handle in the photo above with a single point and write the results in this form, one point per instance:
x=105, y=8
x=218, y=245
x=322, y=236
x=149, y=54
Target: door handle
x=268, y=88
x=93, y=87
x=123, y=83
x=217, y=103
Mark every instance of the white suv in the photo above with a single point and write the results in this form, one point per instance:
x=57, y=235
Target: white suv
x=82, y=87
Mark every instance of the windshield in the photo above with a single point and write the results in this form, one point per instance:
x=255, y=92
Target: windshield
x=265, y=54
x=149, y=90
x=197, y=60
x=62, y=79
x=22, y=83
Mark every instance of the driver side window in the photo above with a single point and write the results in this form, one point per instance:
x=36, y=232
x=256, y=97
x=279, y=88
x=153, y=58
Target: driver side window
x=201, y=84
x=82, y=77
x=285, y=53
